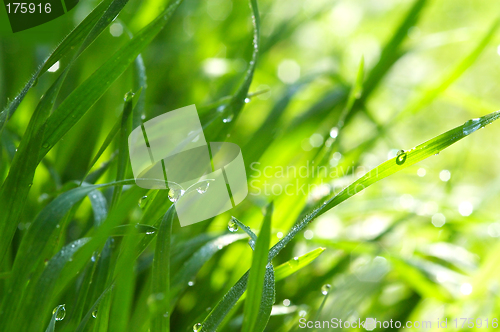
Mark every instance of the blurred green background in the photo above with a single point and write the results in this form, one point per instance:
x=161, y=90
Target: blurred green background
x=419, y=245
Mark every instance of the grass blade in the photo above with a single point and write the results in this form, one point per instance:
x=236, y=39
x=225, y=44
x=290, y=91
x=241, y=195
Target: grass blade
x=160, y=285
x=257, y=273
x=71, y=110
x=293, y=265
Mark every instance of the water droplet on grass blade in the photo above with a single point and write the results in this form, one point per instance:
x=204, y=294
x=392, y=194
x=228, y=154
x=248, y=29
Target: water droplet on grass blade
x=60, y=312
x=143, y=201
x=247, y=100
x=197, y=327
x=190, y=283
x=174, y=194
x=94, y=313
x=471, y=126
x=326, y=289
x=401, y=157
x=232, y=226
x=203, y=188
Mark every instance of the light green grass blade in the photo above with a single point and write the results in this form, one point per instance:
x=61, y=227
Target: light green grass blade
x=293, y=265
x=267, y=300
x=160, y=285
x=396, y=164
x=257, y=273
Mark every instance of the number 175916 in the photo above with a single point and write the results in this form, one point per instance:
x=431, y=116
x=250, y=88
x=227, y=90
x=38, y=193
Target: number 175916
x=31, y=8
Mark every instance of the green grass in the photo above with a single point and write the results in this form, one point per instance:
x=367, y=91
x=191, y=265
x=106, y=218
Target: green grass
x=78, y=237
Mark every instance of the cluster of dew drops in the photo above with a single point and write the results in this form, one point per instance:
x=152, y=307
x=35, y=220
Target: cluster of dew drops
x=175, y=193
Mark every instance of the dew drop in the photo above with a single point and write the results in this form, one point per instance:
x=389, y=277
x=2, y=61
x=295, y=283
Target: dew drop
x=251, y=243
x=197, y=327
x=247, y=100
x=228, y=118
x=143, y=201
x=128, y=96
x=294, y=262
x=232, y=226
x=401, y=157
x=203, y=188
x=190, y=283
x=94, y=313
x=165, y=314
x=326, y=289
x=174, y=194
x=60, y=312
x=45, y=145
x=471, y=126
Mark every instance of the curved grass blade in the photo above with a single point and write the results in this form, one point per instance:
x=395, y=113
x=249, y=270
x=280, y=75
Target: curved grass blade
x=267, y=300
x=73, y=39
x=247, y=230
x=25, y=162
x=99, y=207
x=257, y=275
x=192, y=265
x=160, y=283
x=92, y=311
x=71, y=110
x=234, y=107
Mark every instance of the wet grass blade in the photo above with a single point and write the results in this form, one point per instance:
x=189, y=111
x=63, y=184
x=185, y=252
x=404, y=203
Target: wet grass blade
x=405, y=159
x=74, y=39
x=125, y=128
x=160, y=284
x=71, y=110
x=257, y=275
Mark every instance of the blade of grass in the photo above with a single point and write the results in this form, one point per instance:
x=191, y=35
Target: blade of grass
x=73, y=39
x=71, y=110
x=160, y=284
x=257, y=274
x=126, y=123
x=293, y=265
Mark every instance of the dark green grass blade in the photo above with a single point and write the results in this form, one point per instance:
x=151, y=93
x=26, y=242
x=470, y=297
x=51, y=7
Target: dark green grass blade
x=126, y=124
x=99, y=207
x=160, y=285
x=24, y=164
x=74, y=39
x=45, y=283
x=194, y=263
x=15, y=188
x=257, y=274
x=34, y=242
x=71, y=110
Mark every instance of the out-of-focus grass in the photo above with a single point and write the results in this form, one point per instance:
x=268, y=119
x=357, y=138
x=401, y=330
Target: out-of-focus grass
x=420, y=245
